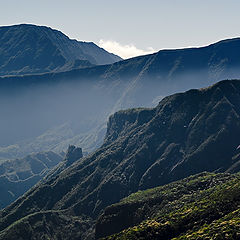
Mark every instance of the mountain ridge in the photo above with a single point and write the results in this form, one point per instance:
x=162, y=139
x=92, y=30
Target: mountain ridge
x=105, y=67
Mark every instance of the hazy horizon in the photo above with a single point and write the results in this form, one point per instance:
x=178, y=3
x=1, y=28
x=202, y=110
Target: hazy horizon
x=131, y=28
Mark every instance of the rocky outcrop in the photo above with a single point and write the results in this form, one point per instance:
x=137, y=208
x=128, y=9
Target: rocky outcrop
x=73, y=154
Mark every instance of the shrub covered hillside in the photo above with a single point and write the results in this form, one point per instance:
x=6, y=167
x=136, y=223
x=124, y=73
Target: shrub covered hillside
x=204, y=206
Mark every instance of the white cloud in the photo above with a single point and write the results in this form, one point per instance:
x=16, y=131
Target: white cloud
x=124, y=51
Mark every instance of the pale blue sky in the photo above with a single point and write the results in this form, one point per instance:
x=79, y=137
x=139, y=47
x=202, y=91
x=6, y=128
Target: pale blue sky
x=142, y=24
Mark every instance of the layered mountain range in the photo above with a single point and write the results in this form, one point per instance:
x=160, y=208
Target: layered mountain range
x=187, y=133
x=28, y=49
x=53, y=94
x=74, y=106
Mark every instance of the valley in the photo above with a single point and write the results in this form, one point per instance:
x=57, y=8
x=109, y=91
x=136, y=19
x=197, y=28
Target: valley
x=143, y=148
x=59, y=99
x=94, y=146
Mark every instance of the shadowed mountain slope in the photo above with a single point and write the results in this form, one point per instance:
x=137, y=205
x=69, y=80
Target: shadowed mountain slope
x=27, y=49
x=187, y=133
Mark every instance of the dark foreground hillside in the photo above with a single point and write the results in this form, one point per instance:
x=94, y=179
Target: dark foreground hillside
x=187, y=133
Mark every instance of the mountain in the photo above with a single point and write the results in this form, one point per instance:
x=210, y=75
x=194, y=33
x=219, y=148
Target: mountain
x=187, y=133
x=74, y=106
x=19, y=175
x=203, y=206
x=27, y=49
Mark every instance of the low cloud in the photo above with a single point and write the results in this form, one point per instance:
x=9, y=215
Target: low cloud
x=124, y=51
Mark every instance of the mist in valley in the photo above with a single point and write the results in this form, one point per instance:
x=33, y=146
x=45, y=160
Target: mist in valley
x=43, y=115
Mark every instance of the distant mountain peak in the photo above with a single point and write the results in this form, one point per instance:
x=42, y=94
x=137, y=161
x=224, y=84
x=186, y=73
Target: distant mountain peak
x=28, y=48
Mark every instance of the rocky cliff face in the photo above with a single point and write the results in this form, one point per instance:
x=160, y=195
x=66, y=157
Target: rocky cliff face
x=187, y=133
x=73, y=154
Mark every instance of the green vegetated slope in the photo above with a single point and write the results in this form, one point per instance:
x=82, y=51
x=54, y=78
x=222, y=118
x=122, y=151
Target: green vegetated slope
x=52, y=225
x=187, y=133
x=19, y=175
x=136, y=82
x=27, y=49
x=203, y=206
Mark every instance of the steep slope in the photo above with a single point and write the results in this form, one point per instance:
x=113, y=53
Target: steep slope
x=70, y=98
x=47, y=225
x=19, y=175
x=187, y=133
x=203, y=206
x=37, y=49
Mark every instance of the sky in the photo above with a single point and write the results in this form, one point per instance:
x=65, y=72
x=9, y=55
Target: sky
x=131, y=27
